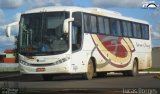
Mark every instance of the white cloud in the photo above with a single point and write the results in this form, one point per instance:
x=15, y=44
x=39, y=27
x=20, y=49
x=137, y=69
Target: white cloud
x=3, y=24
x=155, y=35
x=156, y=43
x=11, y=3
x=2, y=28
x=17, y=17
x=1, y=17
x=42, y=3
x=14, y=30
x=117, y=3
x=156, y=31
x=33, y=3
x=8, y=42
x=1, y=13
x=156, y=13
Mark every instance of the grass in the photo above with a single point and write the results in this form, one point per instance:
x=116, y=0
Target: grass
x=152, y=69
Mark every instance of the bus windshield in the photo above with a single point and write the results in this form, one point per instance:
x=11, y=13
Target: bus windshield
x=42, y=34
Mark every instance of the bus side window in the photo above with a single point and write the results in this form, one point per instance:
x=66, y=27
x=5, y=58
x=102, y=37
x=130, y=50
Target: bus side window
x=115, y=27
x=134, y=30
x=125, y=31
x=93, y=24
x=76, y=31
x=129, y=29
x=106, y=26
x=101, y=25
x=145, y=32
x=139, y=31
x=87, y=23
x=119, y=30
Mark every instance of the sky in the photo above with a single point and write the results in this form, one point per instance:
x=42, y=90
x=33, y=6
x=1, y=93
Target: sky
x=10, y=11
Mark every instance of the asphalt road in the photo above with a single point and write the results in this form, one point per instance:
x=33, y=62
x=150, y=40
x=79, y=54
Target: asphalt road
x=65, y=84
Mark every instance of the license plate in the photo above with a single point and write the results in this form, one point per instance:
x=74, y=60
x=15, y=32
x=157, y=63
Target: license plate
x=40, y=69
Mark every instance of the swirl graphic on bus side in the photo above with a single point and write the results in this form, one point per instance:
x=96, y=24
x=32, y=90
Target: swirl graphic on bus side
x=116, y=49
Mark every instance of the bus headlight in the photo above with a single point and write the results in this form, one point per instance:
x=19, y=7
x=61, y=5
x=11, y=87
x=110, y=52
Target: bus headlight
x=24, y=63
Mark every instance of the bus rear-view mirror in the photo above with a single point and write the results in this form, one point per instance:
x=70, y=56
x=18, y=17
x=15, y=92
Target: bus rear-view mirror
x=8, y=31
x=8, y=28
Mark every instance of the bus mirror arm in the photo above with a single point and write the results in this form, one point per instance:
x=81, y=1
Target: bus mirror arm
x=8, y=28
x=66, y=24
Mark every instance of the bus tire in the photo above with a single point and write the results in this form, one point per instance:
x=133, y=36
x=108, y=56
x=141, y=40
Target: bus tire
x=47, y=77
x=90, y=71
x=134, y=71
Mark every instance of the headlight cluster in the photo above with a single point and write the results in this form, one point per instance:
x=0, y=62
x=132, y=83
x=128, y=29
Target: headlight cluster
x=24, y=63
x=54, y=63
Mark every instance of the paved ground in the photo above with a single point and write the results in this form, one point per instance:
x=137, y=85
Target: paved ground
x=72, y=84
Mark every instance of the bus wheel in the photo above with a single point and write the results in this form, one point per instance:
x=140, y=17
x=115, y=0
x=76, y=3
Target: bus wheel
x=47, y=77
x=134, y=71
x=90, y=71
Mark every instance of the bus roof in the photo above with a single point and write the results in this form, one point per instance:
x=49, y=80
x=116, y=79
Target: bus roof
x=97, y=11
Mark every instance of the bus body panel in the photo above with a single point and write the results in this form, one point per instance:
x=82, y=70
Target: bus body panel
x=111, y=53
x=141, y=51
x=51, y=64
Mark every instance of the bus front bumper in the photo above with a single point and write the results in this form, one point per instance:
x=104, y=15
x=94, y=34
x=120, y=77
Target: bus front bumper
x=43, y=70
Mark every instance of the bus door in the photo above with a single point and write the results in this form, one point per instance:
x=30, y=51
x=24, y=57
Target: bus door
x=77, y=40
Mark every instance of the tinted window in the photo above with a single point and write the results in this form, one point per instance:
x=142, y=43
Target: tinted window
x=86, y=22
x=93, y=24
x=101, y=25
x=129, y=29
x=113, y=23
x=134, y=30
x=76, y=31
x=43, y=34
x=115, y=27
x=77, y=18
x=125, y=29
x=119, y=31
x=145, y=31
x=139, y=31
x=106, y=25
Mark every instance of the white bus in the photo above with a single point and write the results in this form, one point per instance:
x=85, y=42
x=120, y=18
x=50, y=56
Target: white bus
x=87, y=41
